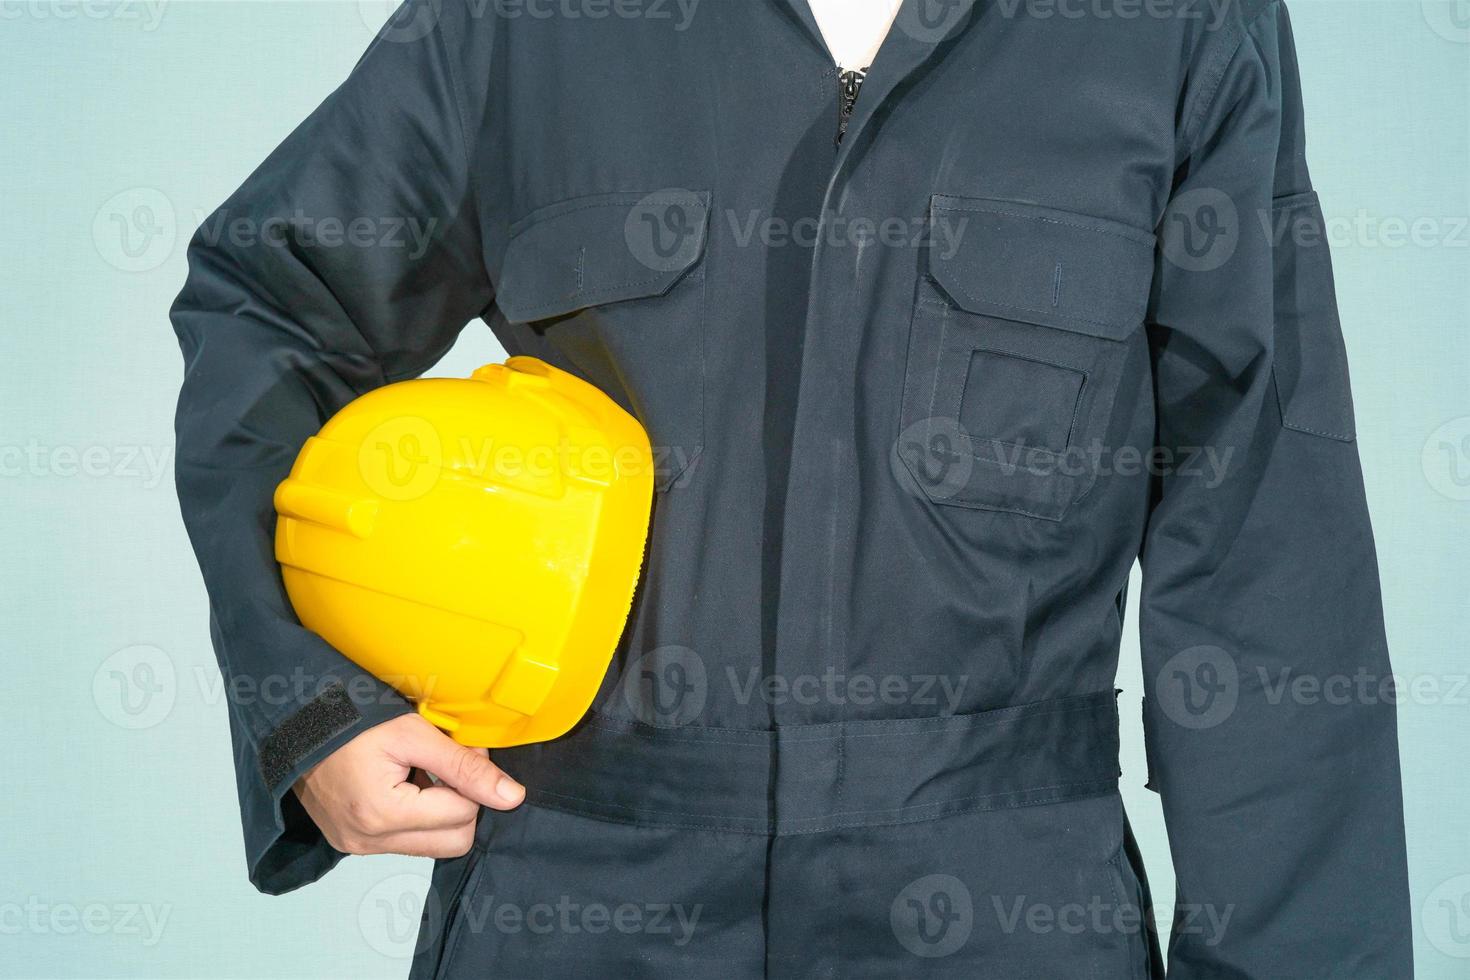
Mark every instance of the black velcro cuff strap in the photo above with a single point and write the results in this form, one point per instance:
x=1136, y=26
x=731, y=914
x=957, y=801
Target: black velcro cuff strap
x=327, y=715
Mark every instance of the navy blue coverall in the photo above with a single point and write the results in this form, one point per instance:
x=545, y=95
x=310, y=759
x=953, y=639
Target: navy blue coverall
x=1060, y=298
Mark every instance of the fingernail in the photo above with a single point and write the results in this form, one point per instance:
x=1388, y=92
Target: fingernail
x=509, y=790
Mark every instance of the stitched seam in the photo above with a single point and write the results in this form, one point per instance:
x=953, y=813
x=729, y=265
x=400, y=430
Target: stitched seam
x=1141, y=242
x=456, y=94
x=1066, y=793
x=835, y=816
x=1110, y=874
x=312, y=725
x=534, y=218
x=601, y=293
x=1295, y=427
x=1211, y=91
x=1053, y=479
x=1339, y=436
x=970, y=504
x=958, y=802
x=1292, y=202
x=1027, y=309
x=1076, y=413
x=1082, y=392
x=1076, y=405
x=617, y=200
x=1122, y=867
x=467, y=890
x=953, y=454
x=609, y=805
x=884, y=729
x=728, y=736
x=937, y=304
x=703, y=365
x=1068, y=710
x=939, y=362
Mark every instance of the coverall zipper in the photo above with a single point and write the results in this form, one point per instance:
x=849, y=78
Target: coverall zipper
x=849, y=84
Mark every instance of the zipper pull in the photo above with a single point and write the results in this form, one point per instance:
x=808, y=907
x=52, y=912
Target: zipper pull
x=849, y=84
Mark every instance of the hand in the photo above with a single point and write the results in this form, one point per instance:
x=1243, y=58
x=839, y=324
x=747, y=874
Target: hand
x=372, y=796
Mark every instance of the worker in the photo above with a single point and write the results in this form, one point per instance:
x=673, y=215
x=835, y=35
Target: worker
x=917, y=463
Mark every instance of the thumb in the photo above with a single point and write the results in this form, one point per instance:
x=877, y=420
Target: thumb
x=468, y=771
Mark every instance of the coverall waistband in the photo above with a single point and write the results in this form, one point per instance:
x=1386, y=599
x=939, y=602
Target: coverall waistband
x=806, y=779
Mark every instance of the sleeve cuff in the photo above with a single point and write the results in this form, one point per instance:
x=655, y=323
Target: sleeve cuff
x=284, y=850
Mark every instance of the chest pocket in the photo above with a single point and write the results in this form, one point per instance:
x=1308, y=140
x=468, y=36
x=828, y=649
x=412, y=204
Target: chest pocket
x=1015, y=351
x=614, y=283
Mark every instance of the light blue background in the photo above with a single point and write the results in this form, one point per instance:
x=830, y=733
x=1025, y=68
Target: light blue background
x=120, y=850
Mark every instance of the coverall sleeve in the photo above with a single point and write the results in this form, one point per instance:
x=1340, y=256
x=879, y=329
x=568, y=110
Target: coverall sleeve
x=1270, y=712
x=351, y=258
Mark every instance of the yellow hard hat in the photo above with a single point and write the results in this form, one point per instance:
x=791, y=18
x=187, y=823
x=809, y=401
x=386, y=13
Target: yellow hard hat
x=475, y=543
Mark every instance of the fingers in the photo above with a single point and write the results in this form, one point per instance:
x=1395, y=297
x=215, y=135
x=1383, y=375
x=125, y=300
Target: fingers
x=448, y=843
x=413, y=807
x=408, y=819
x=431, y=844
x=375, y=795
x=467, y=771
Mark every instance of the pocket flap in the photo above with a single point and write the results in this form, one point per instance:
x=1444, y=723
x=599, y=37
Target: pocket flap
x=588, y=251
x=1023, y=262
